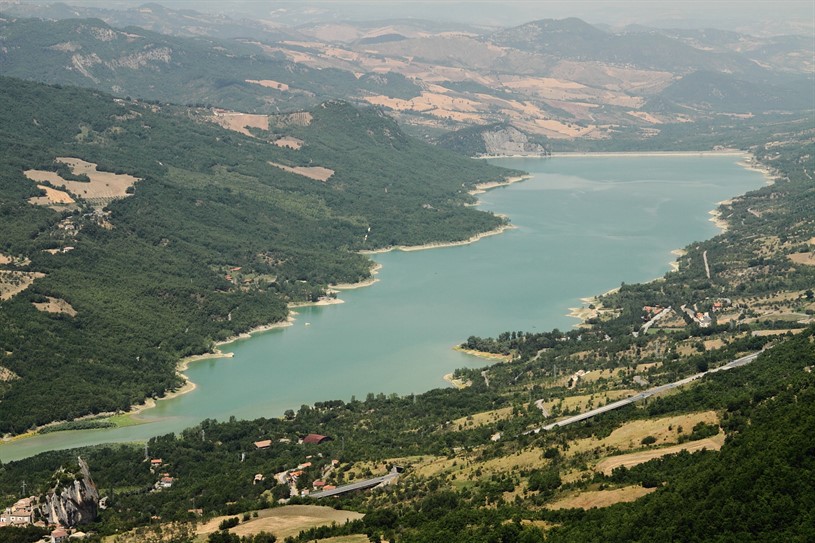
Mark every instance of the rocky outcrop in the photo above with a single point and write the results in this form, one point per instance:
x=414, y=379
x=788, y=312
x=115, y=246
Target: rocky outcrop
x=510, y=141
x=73, y=500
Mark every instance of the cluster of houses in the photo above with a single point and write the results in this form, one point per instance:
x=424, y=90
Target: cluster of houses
x=21, y=513
x=291, y=477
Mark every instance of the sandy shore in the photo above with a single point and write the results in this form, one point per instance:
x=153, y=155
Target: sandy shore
x=584, y=313
x=679, y=253
x=492, y=357
x=441, y=245
x=612, y=154
x=484, y=187
x=457, y=383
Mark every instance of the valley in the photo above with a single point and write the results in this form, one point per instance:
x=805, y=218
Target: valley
x=171, y=180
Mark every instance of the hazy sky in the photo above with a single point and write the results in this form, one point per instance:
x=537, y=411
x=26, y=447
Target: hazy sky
x=756, y=16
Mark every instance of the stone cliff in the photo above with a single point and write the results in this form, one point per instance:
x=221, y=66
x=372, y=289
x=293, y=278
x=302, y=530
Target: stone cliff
x=73, y=499
x=510, y=141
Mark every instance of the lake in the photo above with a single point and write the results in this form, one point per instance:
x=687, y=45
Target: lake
x=583, y=226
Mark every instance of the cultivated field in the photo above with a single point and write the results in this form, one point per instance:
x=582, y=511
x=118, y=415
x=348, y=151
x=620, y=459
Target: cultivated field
x=318, y=173
x=102, y=188
x=600, y=498
x=240, y=122
x=284, y=521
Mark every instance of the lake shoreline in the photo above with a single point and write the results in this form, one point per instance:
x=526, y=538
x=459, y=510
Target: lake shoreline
x=750, y=163
x=183, y=364
x=625, y=154
x=479, y=189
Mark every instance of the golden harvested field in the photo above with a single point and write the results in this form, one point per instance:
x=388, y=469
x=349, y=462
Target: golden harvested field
x=807, y=259
x=481, y=419
x=600, y=498
x=630, y=435
x=240, y=122
x=356, y=538
x=318, y=173
x=52, y=196
x=713, y=344
x=290, y=142
x=607, y=465
x=7, y=375
x=55, y=305
x=14, y=282
x=284, y=521
x=761, y=333
x=100, y=190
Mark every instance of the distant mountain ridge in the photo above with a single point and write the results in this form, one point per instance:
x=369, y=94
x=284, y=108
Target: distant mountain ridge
x=575, y=39
x=145, y=64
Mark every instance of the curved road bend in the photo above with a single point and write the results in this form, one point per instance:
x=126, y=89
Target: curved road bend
x=644, y=394
x=361, y=485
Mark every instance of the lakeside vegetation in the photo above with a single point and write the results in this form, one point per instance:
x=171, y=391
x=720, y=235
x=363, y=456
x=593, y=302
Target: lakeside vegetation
x=212, y=242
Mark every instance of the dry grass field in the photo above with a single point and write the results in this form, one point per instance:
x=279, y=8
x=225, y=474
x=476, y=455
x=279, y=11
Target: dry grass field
x=630, y=435
x=290, y=142
x=283, y=521
x=53, y=197
x=240, y=122
x=482, y=419
x=807, y=259
x=55, y=305
x=14, y=282
x=102, y=188
x=607, y=465
x=318, y=173
x=600, y=498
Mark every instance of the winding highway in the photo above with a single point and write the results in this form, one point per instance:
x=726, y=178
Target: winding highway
x=744, y=360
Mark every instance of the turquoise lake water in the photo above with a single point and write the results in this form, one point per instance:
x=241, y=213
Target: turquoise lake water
x=584, y=224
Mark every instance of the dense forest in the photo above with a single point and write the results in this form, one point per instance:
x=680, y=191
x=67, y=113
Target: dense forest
x=149, y=275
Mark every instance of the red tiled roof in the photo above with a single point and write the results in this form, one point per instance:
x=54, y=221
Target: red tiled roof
x=315, y=438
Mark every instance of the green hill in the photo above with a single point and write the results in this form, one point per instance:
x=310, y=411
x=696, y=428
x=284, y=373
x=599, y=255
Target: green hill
x=151, y=275
x=151, y=66
x=575, y=39
x=726, y=93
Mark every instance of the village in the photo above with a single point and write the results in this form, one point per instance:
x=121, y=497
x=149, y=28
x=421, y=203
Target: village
x=23, y=512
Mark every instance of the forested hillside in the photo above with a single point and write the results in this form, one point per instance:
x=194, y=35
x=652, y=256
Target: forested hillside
x=211, y=240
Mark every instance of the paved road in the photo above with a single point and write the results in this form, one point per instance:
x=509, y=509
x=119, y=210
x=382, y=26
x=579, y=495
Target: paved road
x=645, y=394
x=360, y=485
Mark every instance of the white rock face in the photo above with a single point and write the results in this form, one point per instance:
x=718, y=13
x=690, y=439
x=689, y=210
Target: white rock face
x=510, y=141
x=73, y=504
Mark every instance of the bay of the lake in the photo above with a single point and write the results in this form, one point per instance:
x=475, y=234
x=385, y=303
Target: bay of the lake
x=583, y=226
